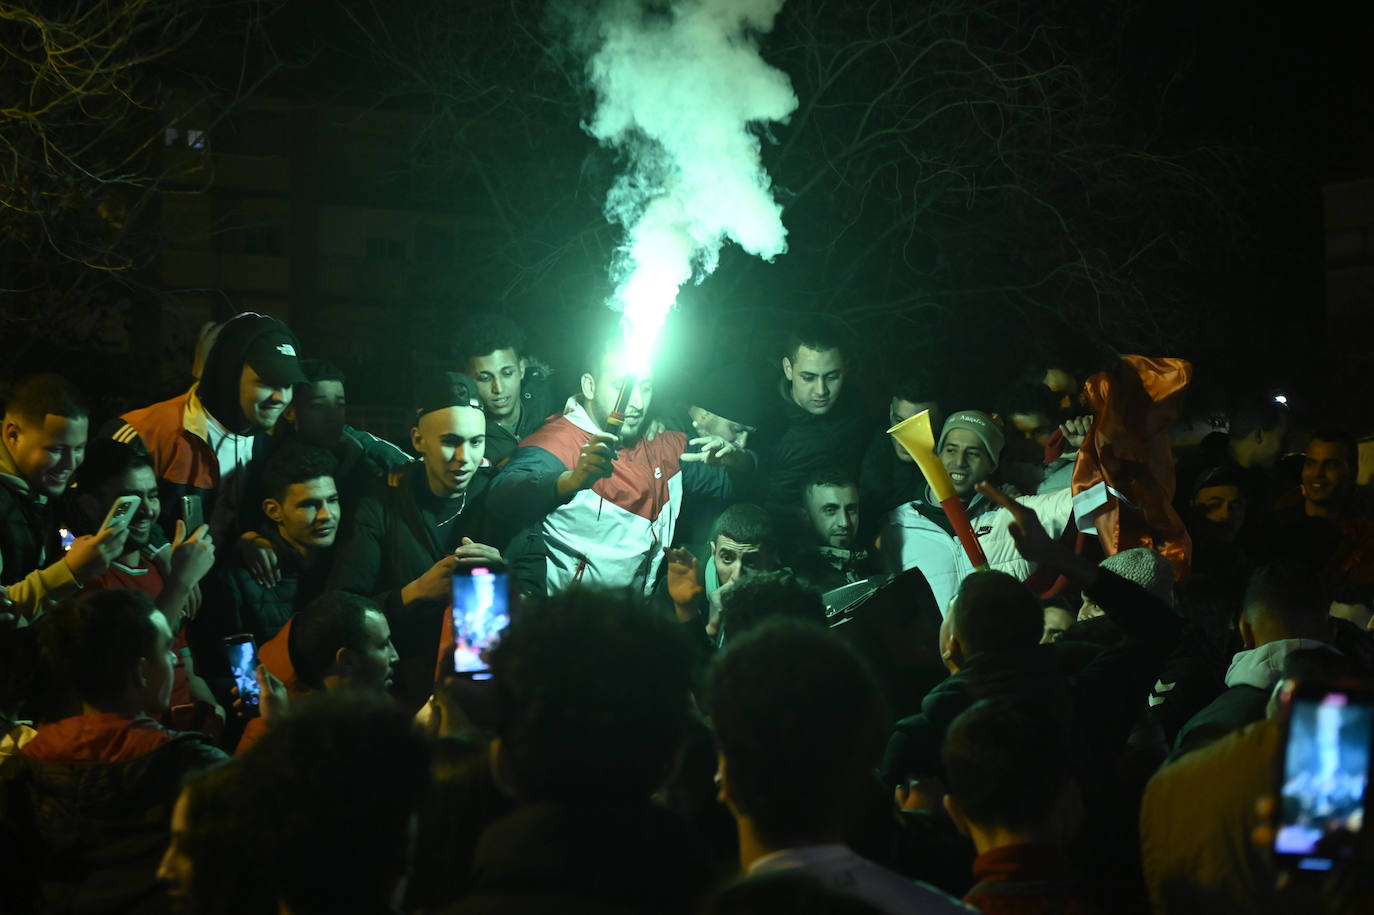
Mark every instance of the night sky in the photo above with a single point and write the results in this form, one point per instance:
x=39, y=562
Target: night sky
x=1281, y=91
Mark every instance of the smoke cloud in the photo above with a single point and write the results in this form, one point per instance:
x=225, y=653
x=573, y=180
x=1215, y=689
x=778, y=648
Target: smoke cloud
x=677, y=92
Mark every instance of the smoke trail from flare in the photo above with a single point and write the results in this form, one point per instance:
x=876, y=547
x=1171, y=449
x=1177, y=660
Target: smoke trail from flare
x=677, y=92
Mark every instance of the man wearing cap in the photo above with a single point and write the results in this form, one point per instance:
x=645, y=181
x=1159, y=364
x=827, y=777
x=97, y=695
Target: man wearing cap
x=202, y=441
x=919, y=535
x=411, y=536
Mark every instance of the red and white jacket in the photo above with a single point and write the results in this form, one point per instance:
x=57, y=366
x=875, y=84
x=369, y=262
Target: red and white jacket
x=613, y=533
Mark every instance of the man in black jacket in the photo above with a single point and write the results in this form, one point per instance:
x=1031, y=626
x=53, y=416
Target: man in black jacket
x=410, y=538
x=302, y=503
x=44, y=435
x=815, y=420
x=514, y=388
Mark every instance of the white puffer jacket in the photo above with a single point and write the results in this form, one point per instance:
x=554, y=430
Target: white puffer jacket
x=916, y=535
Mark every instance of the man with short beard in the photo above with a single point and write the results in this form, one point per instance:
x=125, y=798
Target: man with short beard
x=45, y=424
x=597, y=507
x=112, y=470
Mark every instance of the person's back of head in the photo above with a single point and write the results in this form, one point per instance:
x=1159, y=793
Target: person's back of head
x=1008, y=771
x=1285, y=600
x=111, y=646
x=204, y=863
x=334, y=789
x=993, y=612
x=799, y=722
x=592, y=696
x=765, y=596
x=333, y=636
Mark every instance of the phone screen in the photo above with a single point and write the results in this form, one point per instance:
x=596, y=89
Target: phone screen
x=481, y=612
x=1325, y=775
x=243, y=664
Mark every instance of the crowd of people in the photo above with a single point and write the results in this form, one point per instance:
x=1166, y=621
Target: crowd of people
x=753, y=663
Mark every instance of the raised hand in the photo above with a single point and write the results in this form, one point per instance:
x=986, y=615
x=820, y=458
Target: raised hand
x=1029, y=535
x=594, y=462
x=711, y=449
x=91, y=554
x=1076, y=431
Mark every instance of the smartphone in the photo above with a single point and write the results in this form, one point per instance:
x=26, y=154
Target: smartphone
x=1325, y=757
x=121, y=513
x=192, y=513
x=243, y=664
x=481, y=612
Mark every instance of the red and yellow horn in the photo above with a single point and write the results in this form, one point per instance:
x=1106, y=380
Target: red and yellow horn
x=916, y=436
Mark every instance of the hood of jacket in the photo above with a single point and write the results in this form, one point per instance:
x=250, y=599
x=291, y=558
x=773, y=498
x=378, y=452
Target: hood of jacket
x=9, y=476
x=1262, y=667
x=219, y=380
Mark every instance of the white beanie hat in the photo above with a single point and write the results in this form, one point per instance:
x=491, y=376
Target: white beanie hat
x=1146, y=568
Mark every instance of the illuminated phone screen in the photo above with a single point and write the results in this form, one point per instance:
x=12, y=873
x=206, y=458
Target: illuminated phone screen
x=481, y=612
x=1325, y=777
x=243, y=664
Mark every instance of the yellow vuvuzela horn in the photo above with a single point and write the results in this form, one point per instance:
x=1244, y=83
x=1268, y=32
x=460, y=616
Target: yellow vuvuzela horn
x=916, y=436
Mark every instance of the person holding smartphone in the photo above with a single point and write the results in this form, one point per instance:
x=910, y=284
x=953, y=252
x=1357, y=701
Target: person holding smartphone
x=410, y=537
x=112, y=471
x=44, y=434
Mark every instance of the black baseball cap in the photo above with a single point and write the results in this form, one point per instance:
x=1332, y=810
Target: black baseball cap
x=273, y=356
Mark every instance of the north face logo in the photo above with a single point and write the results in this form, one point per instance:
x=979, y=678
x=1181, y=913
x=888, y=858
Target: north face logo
x=286, y=349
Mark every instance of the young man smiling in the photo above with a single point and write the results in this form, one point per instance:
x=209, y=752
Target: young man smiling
x=918, y=534
x=44, y=443
x=302, y=503
x=203, y=440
